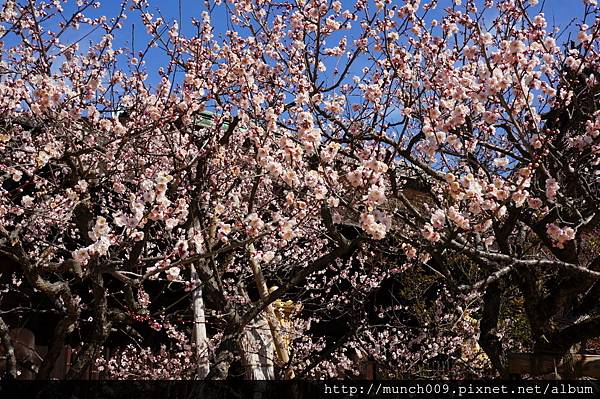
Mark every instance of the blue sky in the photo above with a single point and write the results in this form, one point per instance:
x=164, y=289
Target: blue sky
x=558, y=12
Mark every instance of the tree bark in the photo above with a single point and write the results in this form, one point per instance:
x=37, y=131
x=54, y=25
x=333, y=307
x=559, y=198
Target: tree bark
x=101, y=330
x=488, y=335
x=9, y=350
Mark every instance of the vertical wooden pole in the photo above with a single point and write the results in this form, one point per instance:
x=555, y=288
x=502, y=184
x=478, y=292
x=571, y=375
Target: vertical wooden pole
x=370, y=373
x=199, y=336
x=258, y=350
x=199, y=333
x=263, y=292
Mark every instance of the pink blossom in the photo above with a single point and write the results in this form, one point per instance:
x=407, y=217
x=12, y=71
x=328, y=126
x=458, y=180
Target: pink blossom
x=81, y=255
x=501, y=162
x=120, y=219
x=560, y=236
x=438, y=219
x=355, y=178
x=27, y=201
x=376, y=229
x=534, y=203
x=376, y=194
x=429, y=233
x=173, y=273
x=552, y=188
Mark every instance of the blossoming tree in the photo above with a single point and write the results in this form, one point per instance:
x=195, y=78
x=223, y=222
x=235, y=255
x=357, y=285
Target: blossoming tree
x=330, y=148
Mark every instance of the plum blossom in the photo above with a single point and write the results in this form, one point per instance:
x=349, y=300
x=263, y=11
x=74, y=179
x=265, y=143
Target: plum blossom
x=376, y=165
x=429, y=233
x=560, y=236
x=287, y=230
x=355, y=178
x=173, y=273
x=552, y=188
x=370, y=224
x=321, y=192
x=519, y=197
x=501, y=162
x=101, y=229
x=517, y=46
x=100, y=247
x=455, y=216
x=170, y=223
x=254, y=224
x=224, y=229
x=81, y=186
x=137, y=235
x=325, y=111
x=81, y=255
x=376, y=194
x=268, y=256
x=438, y=219
x=27, y=201
x=534, y=203
x=120, y=219
x=372, y=92
x=119, y=187
x=409, y=251
x=333, y=202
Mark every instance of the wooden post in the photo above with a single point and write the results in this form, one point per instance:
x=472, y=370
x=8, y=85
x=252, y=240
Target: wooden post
x=370, y=370
x=543, y=364
x=199, y=336
x=263, y=292
x=258, y=348
x=199, y=333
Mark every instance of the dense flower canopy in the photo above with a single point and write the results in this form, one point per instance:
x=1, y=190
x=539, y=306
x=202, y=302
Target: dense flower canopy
x=350, y=151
